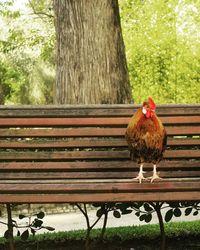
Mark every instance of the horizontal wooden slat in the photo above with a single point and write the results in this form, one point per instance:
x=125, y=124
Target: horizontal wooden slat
x=89, y=132
x=88, y=143
x=65, y=175
x=93, y=198
x=94, y=121
x=71, y=155
x=100, y=187
x=74, y=155
x=65, y=144
x=92, y=175
x=64, y=121
x=95, y=165
x=183, y=142
x=92, y=110
x=179, y=130
x=67, y=132
x=182, y=154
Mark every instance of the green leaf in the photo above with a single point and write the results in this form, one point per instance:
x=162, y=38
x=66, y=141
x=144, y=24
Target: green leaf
x=18, y=233
x=191, y=203
x=116, y=214
x=40, y=215
x=169, y=215
x=137, y=205
x=147, y=207
x=195, y=213
x=21, y=216
x=188, y=211
x=121, y=206
x=6, y=234
x=137, y=213
x=177, y=212
x=110, y=205
x=127, y=211
x=174, y=204
x=142, y=217
x=100, y=212
x=148, y=218
x=25, y=235
x=37, y=223
x=96, y=204
x=49, y=228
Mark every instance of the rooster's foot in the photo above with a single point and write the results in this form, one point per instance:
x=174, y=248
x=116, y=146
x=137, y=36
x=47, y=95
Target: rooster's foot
x=140, y=177
x=154, y=177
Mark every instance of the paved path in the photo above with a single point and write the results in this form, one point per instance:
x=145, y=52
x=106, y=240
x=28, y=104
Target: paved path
x=73, y=221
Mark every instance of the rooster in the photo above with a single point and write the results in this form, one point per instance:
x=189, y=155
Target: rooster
x=146, y=138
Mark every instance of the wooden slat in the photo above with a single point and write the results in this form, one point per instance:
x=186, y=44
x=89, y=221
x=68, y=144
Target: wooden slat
x=182, y=154
x=118, y=142
x=91, y=175
x=65, y=144
x=94, y=121
x=64, y=121
x=67, y=132
x=89, y=132
x=75, y=155
x=180, y=120
x=181, y=130
x=94, y=165
x=93, y=198
x=71, y=155
x=65, y=175
x=183, y=142
x=99, y=187
x=92, y=110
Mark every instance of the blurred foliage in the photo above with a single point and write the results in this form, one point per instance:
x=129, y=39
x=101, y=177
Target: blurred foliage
x=27, y=58
x=162, y=45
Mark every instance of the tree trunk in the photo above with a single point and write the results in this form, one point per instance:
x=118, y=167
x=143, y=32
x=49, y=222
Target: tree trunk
x=91, y=62
x=161, y=224
x=10, y=228
x=1, y=96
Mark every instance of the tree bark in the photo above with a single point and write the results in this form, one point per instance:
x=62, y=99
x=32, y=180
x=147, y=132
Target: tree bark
x=2, y=96
x=91, y=62
x=10, y=227
x=157, y=208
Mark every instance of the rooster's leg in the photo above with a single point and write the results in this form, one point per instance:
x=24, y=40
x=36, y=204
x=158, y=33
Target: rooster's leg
x=140, y=176
x=155, y=175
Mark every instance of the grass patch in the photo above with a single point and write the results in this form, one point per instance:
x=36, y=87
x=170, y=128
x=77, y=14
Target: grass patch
x=147, y=232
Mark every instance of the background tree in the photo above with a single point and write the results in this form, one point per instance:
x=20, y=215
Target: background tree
x=162, y=49
x=91, y=63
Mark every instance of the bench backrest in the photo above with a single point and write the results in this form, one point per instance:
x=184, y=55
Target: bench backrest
x=85, y=145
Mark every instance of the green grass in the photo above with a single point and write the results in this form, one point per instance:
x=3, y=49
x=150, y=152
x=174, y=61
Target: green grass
x=147, y=232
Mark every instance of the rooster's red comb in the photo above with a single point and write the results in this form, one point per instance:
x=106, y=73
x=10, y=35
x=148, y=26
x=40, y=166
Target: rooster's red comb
x=152, y=104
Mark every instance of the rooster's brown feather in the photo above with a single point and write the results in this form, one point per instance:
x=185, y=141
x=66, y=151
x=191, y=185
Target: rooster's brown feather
x=146, y=138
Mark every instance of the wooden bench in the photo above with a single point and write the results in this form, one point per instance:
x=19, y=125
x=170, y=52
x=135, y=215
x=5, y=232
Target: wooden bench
x=58, y=154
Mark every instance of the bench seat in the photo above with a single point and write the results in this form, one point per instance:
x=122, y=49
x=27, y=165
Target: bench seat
x=58, y=154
